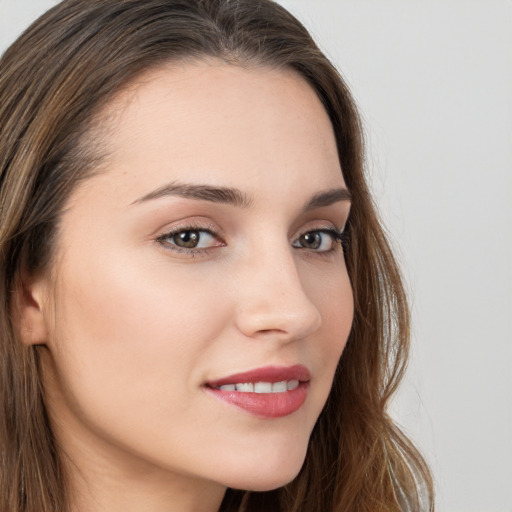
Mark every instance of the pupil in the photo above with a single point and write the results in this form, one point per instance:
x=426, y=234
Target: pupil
x=188, y=239
x=312, y=240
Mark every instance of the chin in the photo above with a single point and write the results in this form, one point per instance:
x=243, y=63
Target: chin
x=269, y=484
x=275, y=473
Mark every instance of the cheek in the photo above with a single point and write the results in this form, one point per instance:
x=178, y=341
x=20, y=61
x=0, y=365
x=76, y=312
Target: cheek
x=331, y=292
x=132, y=306
x=128, y=330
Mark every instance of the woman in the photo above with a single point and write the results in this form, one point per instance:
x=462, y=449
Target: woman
x=200, y=310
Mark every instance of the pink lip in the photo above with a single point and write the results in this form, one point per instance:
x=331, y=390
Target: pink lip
x=265, y=405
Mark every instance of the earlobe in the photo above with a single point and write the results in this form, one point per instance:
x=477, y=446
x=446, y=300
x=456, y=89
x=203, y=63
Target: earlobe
x=29, y=314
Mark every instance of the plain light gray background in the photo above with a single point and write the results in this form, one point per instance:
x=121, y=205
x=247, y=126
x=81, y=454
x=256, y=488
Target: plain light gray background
x=434, y=84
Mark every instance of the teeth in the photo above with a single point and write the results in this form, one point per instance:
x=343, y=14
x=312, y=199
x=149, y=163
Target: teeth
x=227, y=387
x=292, y=384
x=246, y=387
x=262, y=387
x=279, y=387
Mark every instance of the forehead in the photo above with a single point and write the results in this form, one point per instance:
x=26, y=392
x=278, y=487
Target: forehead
x=220, y=124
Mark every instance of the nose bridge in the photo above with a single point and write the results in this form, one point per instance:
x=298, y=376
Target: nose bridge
x=273, y=297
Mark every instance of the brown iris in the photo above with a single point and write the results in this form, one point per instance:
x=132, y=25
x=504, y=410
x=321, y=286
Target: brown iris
x=187, y=239
x=311, y=240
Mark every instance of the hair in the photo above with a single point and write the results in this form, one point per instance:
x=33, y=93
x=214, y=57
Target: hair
x=54, y=82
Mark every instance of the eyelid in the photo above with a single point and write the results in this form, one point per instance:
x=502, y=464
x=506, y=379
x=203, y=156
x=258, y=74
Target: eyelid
x=196, y=224
x=324, y=225
x=335, y=233
x=189, y=226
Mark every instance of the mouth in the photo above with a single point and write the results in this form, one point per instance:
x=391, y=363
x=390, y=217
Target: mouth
x=261, y=387
x=269, y=392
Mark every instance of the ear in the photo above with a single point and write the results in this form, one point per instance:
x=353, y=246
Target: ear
x=29, y=312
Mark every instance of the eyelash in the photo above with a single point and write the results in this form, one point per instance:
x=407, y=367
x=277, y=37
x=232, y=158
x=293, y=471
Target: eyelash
x=163, y=239
x=339, y=238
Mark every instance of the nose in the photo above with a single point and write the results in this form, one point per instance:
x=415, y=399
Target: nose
x=272, y=300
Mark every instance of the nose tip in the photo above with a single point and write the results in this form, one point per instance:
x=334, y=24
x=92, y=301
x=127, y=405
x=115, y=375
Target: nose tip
x=276, y=304
x=279, y=322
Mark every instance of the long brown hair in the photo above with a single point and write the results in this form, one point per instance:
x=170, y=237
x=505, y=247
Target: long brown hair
x=54, y=80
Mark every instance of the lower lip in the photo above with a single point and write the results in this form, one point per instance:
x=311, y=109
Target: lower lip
x=265, y=405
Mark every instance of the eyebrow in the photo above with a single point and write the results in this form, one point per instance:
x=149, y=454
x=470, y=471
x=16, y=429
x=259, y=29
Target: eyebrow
x=322, y=199
x=235, y=197
x=224, y=195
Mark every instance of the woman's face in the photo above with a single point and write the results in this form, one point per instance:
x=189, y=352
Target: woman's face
x=206, y=249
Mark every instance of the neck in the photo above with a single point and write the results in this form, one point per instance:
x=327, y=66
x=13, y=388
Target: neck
x=100, y=488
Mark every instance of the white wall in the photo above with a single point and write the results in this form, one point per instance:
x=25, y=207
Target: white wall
x=434, y=83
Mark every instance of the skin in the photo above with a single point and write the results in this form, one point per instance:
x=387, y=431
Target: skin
x=132, y=329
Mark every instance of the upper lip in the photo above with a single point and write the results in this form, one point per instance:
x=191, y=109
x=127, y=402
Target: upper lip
x=270, y=374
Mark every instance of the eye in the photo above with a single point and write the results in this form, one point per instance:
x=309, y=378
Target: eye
x=192, y=239
x=320, y=240
x=189, y=239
